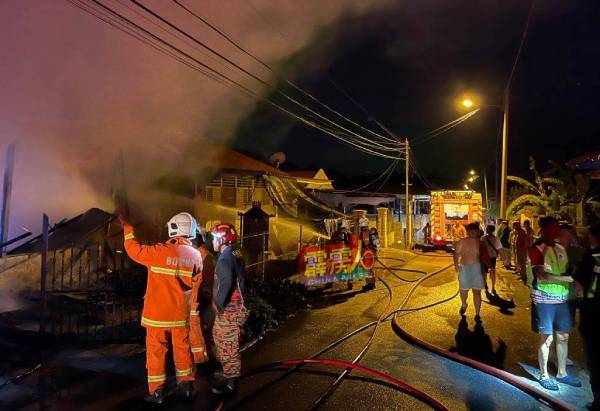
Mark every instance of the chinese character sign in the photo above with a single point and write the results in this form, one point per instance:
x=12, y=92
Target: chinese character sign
x=336, y=262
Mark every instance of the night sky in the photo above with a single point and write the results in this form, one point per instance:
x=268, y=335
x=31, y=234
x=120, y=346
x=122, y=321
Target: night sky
x=407, y=63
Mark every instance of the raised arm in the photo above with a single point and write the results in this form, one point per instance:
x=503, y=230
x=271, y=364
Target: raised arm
x=142, y=254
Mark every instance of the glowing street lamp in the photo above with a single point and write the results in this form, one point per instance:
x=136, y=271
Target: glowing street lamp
x=466, y=187
x=469, y=103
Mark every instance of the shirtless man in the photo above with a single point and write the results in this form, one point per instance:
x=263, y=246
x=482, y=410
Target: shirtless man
x=470, y=276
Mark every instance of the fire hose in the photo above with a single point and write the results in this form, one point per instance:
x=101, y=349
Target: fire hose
x=340, y=378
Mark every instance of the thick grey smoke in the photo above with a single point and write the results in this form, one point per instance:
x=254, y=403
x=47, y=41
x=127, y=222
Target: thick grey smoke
x=75, y=91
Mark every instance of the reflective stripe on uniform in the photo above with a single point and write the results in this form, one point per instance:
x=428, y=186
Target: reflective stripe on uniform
x=164, y=324
x=129, y=236
x=184, y=372
x=157, y=378
x=198, y=349
x=169, y=271
x=194, y=312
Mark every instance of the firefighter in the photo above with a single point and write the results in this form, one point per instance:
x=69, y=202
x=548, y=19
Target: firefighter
x=201, y=318
x=341, y=235
x=172, y=268
x=228, y=302
x=365, y=237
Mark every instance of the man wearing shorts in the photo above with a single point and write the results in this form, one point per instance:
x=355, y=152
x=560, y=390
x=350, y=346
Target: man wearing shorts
x=550, y=295
x=467, y=263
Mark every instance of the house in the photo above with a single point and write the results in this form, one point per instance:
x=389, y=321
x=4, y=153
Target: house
x=313, y=180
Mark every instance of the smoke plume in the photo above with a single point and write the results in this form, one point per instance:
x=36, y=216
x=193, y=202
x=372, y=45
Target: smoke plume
x=76, y=92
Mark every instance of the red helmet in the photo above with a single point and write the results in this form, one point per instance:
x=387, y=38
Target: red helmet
x=225, y=231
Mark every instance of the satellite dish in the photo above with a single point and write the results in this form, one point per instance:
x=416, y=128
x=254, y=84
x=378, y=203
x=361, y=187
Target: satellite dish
x=277, y=159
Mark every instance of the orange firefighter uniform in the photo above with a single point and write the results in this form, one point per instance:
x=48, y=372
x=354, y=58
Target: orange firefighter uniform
x=172, y=267
x=200, y=295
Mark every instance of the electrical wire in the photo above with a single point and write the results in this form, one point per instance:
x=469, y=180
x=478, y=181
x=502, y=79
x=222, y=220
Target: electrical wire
x=388, y=176
x=388, y=169
x=190, y=10
x=521, y=44
x=443, y=129
x=258, y=79
x=152, y=39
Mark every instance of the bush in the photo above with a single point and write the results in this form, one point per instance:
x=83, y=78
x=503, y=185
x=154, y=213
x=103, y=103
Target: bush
x=270, y=303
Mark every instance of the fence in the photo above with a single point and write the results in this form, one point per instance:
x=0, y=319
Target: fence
x=91, y=293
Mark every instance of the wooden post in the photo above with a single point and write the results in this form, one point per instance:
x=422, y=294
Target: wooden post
x=382, y=226
x=43, y=273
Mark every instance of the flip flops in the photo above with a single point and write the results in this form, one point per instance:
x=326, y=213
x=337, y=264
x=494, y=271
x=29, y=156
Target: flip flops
x=569, y=380
x=549, y=384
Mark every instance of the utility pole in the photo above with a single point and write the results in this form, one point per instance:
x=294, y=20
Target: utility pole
x=407, y=201
x=487, y=203
x=504, y=155
x=7, y=189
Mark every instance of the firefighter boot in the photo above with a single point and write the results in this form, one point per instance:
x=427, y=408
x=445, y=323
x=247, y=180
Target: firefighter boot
x=185, y=390
x=157, y=397
x=227, y=387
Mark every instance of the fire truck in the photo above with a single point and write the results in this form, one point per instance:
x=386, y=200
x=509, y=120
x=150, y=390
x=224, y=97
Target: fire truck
x=449, y=207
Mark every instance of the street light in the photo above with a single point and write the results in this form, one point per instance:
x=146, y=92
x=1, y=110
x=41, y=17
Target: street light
x=468, y=103
x=472, y=177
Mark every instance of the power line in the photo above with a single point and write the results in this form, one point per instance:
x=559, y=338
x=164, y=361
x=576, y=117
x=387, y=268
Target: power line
x=443, y=129
x=212, y=72
x=388, y=170
x=523, y=38
x=229, y=38
x=284, y=38
x=260, y=80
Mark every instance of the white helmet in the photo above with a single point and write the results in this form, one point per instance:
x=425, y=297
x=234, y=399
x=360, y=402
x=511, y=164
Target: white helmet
x=343, y=223
x=182, y=224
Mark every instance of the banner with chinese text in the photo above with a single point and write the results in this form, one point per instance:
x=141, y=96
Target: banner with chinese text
x=336, y=262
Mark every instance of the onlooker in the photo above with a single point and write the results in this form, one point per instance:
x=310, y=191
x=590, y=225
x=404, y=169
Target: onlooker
x=586, y=275
x=504, y=236
x=550, y=294
x=568, y=239
x=520, y=247
x=529, y=231
x=470, y=276
x=427, y=233
x=493, y=247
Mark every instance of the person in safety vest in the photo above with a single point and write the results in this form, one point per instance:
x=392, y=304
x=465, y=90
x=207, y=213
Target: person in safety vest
x=550, y=295
x=228, y=302
x=173, y=268
x=587, y=276
x=201, y=318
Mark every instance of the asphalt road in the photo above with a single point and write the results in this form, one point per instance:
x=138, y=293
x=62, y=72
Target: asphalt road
x=113, y=377
x=504, y=340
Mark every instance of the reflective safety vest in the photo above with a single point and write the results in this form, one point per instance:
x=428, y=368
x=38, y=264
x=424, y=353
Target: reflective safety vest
x=556, y=263
x=171, y=267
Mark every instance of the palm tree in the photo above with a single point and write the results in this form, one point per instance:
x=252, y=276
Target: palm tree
x=564, y=195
